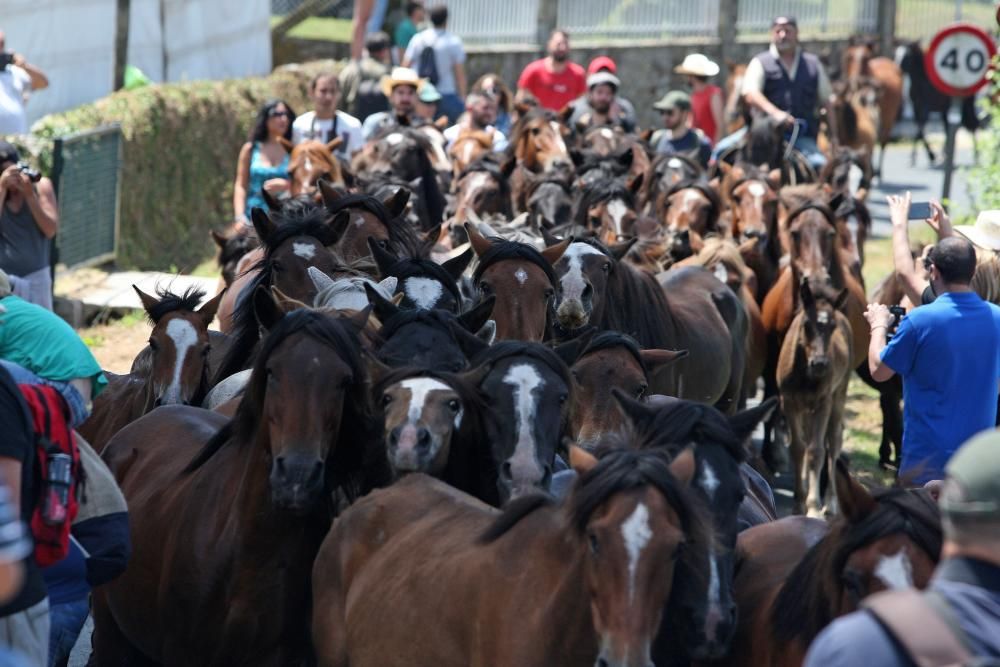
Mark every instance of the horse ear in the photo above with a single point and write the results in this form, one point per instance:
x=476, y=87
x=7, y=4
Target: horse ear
x=262, y=224
x=549, y=238
x=320, y=280
x=456, y=266
x=210, y=307
x=328, y=192
x=646, y=135
x=683, y=466
x=376, y=368
x=841, y=300
x=383, y=258
x=359, y=318
x=488, y=332
x=806, y=295
x=580, y=460
x=626, y=158
x=339, y=224
x=148, y=301
x=636, y=183
x=383, y=308
x=397, y=202
x=743, y=423
x=441, y=123
x=286, y=303
x=661, y=358
x=288, y=145
x=634, y=411
x=431, y=238
x=522, y=107
x=553, y=253
x=272, y=202
x=334, y=144
x=475, y=376
x=619, y=250
x=220, y=239
x=565, y=114
x=577, y=156
x=474, y=319
x=265, y=309
x=571, y=350
x=856, y=502
x=773, y=179
x=480, y=244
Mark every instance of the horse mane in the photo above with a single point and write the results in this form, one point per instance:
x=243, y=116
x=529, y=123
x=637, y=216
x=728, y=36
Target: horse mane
x=348, y=464
x=601, y=190
x=662, y=160
x=674, y=426
x=432, y=196
x=170, y=302
x=516, y=510
x=501, y=249
x=803, y=606
x=606, y=340
x=640, y=307
x=436, y=317
x=408, y=267
x=505, y=349
x=489, y=165
x=235, y=247
x=763, y=142
x=401, y=234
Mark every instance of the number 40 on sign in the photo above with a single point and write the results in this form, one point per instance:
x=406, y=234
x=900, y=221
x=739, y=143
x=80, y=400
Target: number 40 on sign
x=958, y=58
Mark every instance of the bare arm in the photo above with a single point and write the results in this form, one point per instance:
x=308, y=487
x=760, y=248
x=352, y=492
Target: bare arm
x=899, y=211
x=878, y=317
x=460, y=83
x=939, y=221
x=757, y=100
x=718, y=108
x=242, y=182
x=41, y=201
x=38, y=78
x=362, y=12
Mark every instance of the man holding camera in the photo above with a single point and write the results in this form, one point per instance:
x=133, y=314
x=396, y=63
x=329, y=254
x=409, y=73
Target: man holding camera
x=17, y=79
x=29, y=218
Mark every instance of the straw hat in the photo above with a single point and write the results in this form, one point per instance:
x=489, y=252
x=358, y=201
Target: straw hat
x=697, y=64
x=401, y=76
x=986, y=232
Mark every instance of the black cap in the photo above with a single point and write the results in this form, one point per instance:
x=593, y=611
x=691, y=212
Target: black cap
x=785, y=19
x=8, y=153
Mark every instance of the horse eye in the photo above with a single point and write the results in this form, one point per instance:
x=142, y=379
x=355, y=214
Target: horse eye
x=549, y=293
x=384, y=244
x=536, y=130
x=595, y=547
x=453, y=405
x=562, y=398
x=595, y=221
x=606, y=267
x=153, y=345
x=641, y=390
x=386, y=399
x=485, y=289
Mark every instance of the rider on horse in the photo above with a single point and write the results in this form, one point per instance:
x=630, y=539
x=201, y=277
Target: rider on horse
x=789, y=85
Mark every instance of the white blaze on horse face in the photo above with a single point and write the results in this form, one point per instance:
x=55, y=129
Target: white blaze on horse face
x=757, y=191
x=521, y=276
x=184, y=336
x=394, y=138
x=854, y=176
x=617, y=210
x=560, y=144
x=636, y=534
x=304, y=250
x=420, y=389
x=709, y=482
x=423, y=292
x=823, y=317
x=895, y=571
x=720, y=273
x=525, y=380
x=468, y=148
x=714, y=614
x=308, y=165
x=573, y=282
x=606, y=133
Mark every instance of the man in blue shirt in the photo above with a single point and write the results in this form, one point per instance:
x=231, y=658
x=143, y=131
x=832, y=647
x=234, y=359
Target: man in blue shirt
x=958, y=617
x=948, y=354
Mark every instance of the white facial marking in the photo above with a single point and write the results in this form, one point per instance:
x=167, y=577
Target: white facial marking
x=467, y=148
x=617, y=210
x=854, y=176
x=525, y=380
x=394, y=138
x=184, y=336
x=823, y=317
x=521, y=276
x=709, y=482
x=896, y=571
x=423, y=292
x=691, y=199
x=606, y=133
x=756, y=189
x=420, y=389
x=636, y=533
x=476, y=180
x=572, y=281
x=674, y=163
x=720, y=272
x=559, y=138
x=304, y=250
x=308, y=165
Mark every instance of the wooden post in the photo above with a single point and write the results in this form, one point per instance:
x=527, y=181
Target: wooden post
x=729, y=14
x=548, y=17
x=886, y=27
x=121, y=42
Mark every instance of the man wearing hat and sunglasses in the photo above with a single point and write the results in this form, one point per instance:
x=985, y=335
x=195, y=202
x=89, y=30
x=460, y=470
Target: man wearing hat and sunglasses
x=789, y=85
x=677, y=137
x=401, y=88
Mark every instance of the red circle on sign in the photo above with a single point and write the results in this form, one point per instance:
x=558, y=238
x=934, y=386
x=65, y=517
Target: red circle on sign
x=931, y=66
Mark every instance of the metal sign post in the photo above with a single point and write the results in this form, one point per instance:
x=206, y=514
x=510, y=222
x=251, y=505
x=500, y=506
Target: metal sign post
x=957, y=61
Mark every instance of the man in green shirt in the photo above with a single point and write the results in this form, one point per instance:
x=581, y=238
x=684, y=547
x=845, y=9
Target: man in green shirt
x=37, y=346
x=407, y=28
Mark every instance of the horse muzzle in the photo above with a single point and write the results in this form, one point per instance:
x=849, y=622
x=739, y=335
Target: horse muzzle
x=638, y=657
x=410, y=448
x=572, y=314
x=296, y=482
x=716, y=628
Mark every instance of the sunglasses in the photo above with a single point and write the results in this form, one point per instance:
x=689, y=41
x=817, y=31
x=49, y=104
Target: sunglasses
x=274, y=113
x=668, y=112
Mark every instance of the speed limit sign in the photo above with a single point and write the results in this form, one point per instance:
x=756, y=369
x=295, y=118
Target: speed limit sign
x=958, y=58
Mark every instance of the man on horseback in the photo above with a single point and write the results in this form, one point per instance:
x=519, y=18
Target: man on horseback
x=789, y=85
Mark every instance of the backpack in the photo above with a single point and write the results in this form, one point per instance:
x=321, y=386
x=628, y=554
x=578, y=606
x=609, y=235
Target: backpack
x=55, y=445
x=427, y=65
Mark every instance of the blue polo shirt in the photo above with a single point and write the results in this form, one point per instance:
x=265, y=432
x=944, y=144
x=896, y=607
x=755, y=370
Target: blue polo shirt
x=948, y=354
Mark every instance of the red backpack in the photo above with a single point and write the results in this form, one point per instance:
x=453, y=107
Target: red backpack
x=60, y=472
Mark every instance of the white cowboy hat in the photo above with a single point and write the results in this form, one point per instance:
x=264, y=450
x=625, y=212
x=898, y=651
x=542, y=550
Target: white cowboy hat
x=986, y=232
x=697, y=64
x=401, y=76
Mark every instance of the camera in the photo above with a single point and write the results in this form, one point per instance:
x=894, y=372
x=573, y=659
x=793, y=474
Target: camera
x=6, y=59
x=897, y=313
x=33, y=174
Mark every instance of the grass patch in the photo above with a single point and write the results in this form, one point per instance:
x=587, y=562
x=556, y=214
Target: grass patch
x=207, y=269
x=321, y=28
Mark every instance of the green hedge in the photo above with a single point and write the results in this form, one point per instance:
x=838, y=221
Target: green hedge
x=180, y=144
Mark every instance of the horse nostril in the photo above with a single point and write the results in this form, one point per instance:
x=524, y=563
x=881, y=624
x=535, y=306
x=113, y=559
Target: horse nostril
x=394, y=437
x=317, y=472
x=506, y=474
x=601, y=662
x=588, y=291
x=423, y=439
x=279, y=464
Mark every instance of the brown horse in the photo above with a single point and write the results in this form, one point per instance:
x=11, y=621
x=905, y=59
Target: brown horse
x=735, y=109
x=814, y=366
x=795, y=576
x=469, y=146
x=538, y=140
x=690, y=211
x=607, y=209
x=752, y=197
x=883, y=80
x=227, y=516
x=232, y=249
x=178, y=371
x=522, y=280
x=682, y=309
x=856, y=125
x=311, y=161
x=370, y=217
x=483, y=187
x=599, y=568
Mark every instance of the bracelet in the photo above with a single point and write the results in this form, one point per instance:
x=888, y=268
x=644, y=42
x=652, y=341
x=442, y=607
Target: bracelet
x=879, y=326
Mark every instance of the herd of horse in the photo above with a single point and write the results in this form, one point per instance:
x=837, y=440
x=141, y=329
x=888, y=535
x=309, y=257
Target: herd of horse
x=478, y=409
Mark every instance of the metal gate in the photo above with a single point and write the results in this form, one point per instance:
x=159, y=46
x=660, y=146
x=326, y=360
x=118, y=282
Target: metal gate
x=87, y=177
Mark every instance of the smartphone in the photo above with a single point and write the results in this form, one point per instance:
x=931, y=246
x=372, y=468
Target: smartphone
x=920, y=210
x=6, y=59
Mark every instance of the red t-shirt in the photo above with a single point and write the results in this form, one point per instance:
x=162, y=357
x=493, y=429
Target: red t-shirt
x=701, y=110
x=554, y=91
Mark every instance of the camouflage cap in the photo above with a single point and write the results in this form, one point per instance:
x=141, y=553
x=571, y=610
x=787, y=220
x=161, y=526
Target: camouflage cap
x=675, y=99
x=975, y=468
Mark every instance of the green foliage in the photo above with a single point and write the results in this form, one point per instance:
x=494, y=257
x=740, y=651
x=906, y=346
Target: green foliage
x=984, y=178
x=180, y=144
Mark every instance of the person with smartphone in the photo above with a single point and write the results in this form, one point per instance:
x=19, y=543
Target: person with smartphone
x=18, y=78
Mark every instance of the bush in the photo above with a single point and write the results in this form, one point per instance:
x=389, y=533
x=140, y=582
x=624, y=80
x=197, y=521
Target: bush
x=180, y=143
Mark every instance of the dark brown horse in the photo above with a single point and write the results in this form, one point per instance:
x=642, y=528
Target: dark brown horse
x=690, y=211
x=595, y=572
x=177, y=373
x=227, y=516
x=369, y=217
x=752, y=196
x=523, y=282
x=795, y=577
x=880, y=82
x=483, y=187
x=232, y=249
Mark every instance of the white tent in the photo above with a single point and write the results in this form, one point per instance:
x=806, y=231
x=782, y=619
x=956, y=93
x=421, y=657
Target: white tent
x=73, y=42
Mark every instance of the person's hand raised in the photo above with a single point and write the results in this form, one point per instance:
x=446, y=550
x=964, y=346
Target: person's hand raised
x=899, y=208
x=878, y=315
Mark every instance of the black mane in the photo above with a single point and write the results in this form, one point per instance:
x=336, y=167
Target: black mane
x=637, y=305
x=677, y=424
x=502, y=249
x=401, y=235
x=606, y=340
x=505, y=349
x=170, y=302
x=601, y=190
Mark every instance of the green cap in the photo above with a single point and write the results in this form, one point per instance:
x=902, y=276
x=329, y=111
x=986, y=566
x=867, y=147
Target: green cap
x=428, y=93
x=975, y=467
x=675, y=99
